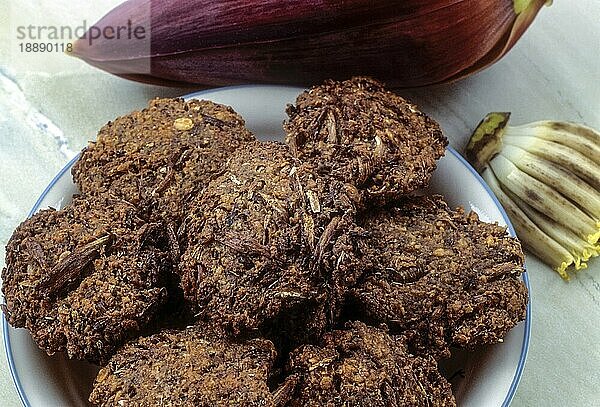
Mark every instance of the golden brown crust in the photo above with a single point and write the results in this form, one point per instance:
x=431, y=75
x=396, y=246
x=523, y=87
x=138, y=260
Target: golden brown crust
x=195, y=367
x=136, y=181
x=160, y=156
x=86, y=278
x=266, y=245
x=270, y=243
x=362, y=134
x=364, y=366
x=442, y=277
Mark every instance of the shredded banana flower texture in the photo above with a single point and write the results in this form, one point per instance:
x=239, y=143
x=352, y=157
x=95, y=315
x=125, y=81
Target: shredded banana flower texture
x=546, y=175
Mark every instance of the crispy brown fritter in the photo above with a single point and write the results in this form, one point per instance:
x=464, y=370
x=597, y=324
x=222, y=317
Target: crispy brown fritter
x=269, y=245
x=161, y=156
x=442, y=277
x=364, y=366
x=86, y=278
x=359, y=133
x=275, y=243
x=194, y=367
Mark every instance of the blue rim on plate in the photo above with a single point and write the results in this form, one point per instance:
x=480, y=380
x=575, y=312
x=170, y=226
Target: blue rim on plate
x=524, y=346
x=5, y=325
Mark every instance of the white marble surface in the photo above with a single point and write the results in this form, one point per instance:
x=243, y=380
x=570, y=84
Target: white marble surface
x=51, y=105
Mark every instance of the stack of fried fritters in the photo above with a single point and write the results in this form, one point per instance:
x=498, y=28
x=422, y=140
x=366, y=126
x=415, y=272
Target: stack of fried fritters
x=271, y=253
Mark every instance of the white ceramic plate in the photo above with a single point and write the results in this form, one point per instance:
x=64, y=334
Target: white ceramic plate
x=488, y=377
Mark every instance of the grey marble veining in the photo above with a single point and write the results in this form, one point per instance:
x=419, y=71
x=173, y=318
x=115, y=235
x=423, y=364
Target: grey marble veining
x=50, y=109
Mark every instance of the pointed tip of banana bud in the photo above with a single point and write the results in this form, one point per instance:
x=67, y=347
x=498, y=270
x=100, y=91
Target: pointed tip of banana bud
x=119, y=40
x=83, y=51
x=77, y=50
x=106, y=51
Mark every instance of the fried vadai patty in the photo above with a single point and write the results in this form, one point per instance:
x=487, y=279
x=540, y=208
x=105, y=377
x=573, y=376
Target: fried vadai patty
x=194, y=367
x=362, y=134
x=441, y=277
x=161, y=156
x=86, y=278
x=268, y=246
x=365, y=366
